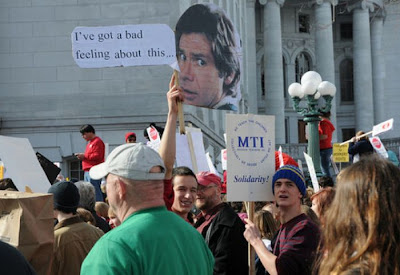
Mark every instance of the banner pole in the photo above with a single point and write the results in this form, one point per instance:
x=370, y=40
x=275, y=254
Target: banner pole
x=180, y=108
x=251, y=252
x=192, y=153
x=363, y=135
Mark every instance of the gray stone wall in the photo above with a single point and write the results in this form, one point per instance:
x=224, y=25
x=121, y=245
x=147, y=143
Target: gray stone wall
x=46, y=97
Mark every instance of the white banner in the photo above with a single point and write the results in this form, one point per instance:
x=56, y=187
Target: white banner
x=311, y=170
x=224, y=159
x=251, y=157
x=382, y=127
x=190, y=150
x=154, y=137
x=378, y=146
x=123, y=45
x=22, y=165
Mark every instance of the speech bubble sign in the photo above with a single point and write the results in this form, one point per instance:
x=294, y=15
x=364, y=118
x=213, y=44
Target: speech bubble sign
x=123, y=45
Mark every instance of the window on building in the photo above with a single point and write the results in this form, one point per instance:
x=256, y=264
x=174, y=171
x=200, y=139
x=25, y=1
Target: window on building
x=287, y=130
x=346, y=31
x=348, y=133
x=301, y=126
x=304, y=23
x=75, y=170
x=303, y=65
x=346, y=81
x=262, y=84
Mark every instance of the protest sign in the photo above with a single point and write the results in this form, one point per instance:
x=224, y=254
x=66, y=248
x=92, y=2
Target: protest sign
x=311, y=170
x=211, y=166
x=281, y=163
x=251, y=157
x=1, y=170
x=210, y=70
x=123, y=45
x=154, y=137
x=340, y=152
x=224, y=158
x=382, y=127
x=22, y=165
x=376, y=130
x=190, y=150
x=378, y=146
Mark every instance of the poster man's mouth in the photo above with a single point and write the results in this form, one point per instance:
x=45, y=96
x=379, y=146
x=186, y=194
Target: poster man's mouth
x=189, y=95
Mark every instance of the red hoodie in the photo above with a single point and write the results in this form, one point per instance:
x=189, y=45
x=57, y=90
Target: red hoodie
x=325, y=128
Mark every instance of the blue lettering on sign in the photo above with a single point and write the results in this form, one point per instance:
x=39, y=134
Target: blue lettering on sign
x=243, y=143
x=255, y=142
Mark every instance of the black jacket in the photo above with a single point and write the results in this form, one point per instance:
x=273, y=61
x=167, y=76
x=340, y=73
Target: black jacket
x=225, y=239
x=362, y=147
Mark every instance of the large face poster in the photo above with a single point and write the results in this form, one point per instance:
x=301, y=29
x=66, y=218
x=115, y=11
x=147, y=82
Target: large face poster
x=209, y=57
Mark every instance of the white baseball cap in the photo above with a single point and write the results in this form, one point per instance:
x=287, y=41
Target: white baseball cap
x=131, y=161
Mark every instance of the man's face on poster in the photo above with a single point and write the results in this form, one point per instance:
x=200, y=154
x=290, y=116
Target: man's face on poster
x=199, y=77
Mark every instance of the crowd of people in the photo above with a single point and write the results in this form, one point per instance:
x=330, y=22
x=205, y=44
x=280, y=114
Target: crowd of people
x=161, y=219
x=154, y=218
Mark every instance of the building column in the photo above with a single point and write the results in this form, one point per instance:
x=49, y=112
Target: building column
x=363, y=96
x=251, y=56
x=378, y=68
x=273, y=74
x=324, y=47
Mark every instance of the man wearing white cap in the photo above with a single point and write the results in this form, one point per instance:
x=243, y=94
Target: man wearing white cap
x=150, y=240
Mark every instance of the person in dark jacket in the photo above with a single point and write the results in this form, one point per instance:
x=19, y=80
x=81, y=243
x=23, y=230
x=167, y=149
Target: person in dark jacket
x=221, y=227
x=13, y=262
x=88, y=201
x=360, y=147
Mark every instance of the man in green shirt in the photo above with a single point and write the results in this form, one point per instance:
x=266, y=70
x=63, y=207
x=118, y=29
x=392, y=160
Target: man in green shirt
x=150, y=240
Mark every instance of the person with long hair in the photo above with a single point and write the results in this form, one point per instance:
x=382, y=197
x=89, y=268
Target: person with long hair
x=362, y=226
x=321, y=201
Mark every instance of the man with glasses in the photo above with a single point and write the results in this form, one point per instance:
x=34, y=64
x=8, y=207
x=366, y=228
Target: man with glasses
x=220, y=226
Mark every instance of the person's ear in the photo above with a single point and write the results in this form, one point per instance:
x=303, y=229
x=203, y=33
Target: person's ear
x=121, y=189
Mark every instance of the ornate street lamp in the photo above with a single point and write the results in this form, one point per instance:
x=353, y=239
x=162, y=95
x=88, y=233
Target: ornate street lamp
x=312, y=88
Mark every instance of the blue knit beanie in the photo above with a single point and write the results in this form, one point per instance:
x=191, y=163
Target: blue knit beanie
x=292, y=173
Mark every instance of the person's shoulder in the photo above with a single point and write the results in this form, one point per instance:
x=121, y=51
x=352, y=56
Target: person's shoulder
x=307, y=227
x=228, y=216
x=92, y=229
x=13, y=262
x=98, y=139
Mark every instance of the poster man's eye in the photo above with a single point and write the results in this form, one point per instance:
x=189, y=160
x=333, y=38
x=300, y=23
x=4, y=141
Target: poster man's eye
x=182, y=56
x=201, y=62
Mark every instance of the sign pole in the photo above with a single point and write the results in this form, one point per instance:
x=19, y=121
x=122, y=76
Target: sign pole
x=251, y=252
x=180, y=108
x=192, y=153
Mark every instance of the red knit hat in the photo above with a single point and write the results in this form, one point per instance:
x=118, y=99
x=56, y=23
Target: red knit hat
x=127, y=135
x=206, y=178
